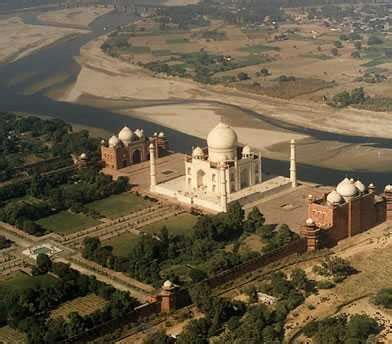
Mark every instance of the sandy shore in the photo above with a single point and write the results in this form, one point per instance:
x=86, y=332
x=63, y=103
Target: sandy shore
x=18, y=39
x=78, y=17
x=180, y=2
x=118, y=85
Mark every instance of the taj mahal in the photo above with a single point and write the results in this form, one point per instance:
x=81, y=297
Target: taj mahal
x=220, y=173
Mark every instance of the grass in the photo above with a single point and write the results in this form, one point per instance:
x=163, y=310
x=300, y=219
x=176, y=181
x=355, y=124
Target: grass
x=122, y=244
x=259, y=48
x=85, y=305
x=118, y=205
x=136, y=50
x=162, y=52
x=10, y=335
x=66, y=222
x=178, y=40
x=181, y=224
x=21, y=281
x=322, y=57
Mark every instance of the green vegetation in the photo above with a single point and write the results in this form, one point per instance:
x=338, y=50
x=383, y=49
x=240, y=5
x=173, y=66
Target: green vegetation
x=118, y=205
x=337, y=268
x=313, y=55
x=122, y=244
x=4, y=242
x=66, y=222
x=172, y=255
x=180, y=224
x=27, y=305
x=359, y=328
x=345, y=98
x=178, y=40
x=384, y=298
x=259, y=48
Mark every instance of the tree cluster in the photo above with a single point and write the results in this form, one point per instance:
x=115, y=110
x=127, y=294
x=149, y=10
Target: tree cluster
x=336, y=267
x=345, y=98
x=359, y=328
x=384, y=298
x=29, y=309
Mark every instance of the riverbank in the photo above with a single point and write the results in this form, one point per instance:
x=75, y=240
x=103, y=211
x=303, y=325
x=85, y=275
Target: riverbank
x=18, y=39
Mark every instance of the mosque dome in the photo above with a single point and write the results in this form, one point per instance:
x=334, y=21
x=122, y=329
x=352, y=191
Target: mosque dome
x=113, y=141
x=222, y=143
x=334, y=197
x=161, y=134
x=246, y=150
x=125, y=135
x=83, y=156
x=359, y=185
x=346, y=188
x=197, y=153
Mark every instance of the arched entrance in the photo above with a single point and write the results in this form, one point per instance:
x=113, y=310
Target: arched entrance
x=136, y=156
x=200, y=178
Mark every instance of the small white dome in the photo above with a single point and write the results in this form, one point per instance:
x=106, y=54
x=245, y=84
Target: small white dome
x=246, y=150
x=151, y=146
x=139, y=133
x=83, y=156
x=125, y=135
x=155, y=134
x=359, y=185
x=334, y=197
x=371, y=185
x=113, y=141
x=197, y=153
x=222, y=137
x=167, y=285
x=161, y=134
x=309, y=222
x=388, y=188
x=346, y=188
x=102, y=142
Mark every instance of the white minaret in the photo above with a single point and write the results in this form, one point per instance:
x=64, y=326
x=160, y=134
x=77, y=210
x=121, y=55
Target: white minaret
x=293, y=169
x=260, y=168
x=153, y=176
x=223, y=190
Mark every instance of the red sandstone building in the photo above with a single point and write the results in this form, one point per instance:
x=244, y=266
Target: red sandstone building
x=131, y=147
x=349, y=210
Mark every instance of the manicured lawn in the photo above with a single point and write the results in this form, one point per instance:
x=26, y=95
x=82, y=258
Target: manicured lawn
x=21, y=281
x=181, y=224
x=119, y=205
x=121, y=244
x=67, y=222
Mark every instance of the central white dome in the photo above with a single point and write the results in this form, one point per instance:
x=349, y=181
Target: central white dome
x=222, y=143
x=222, y=137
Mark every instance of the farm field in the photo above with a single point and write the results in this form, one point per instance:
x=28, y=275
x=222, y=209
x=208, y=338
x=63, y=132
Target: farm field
x=66, y=222
x=83, y=305
x=10, y=335
x=121, y=244
x=118, y=205
x=20, y=281
x=180, y=224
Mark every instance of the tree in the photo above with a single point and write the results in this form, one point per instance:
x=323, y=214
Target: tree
x=334, y=51
x=158, y=337
x=243, y=76
x=358, y=45
x=384, y=297
x=255, y=220
x=338, y=44
x=43, y=264
x=201, y=296
x=356, y=55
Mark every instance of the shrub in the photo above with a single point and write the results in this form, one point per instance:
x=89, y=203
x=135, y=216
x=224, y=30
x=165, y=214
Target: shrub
x=384, y=298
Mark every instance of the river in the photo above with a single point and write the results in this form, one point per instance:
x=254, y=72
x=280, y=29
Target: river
x=59, y=58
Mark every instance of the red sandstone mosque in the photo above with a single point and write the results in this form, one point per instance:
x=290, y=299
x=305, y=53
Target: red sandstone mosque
x=344, y=212
x=131, y=147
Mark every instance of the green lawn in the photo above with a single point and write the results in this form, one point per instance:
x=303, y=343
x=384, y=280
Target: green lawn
x=181, y=224
x=121, y=244
x=66, y=222
x=119, y=205
x=259, y=48
x=21, y=281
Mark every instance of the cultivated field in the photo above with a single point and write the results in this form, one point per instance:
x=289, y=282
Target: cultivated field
x=66, y=222
x=83, y=305
x=119, y=205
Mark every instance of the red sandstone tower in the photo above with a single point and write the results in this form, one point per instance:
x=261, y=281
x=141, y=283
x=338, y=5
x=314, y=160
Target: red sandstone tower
x=167, y=295
x=312, y=235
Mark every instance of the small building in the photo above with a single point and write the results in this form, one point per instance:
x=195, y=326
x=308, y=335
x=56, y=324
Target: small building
x=266, y=299
x=131, y=147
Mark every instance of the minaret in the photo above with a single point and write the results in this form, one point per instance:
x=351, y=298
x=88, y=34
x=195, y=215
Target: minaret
x=293, y=169
x=223, y=190
x=153, y=177
x=260, y=168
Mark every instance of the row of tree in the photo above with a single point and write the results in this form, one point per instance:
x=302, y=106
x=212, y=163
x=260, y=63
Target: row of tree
x=28, y=309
